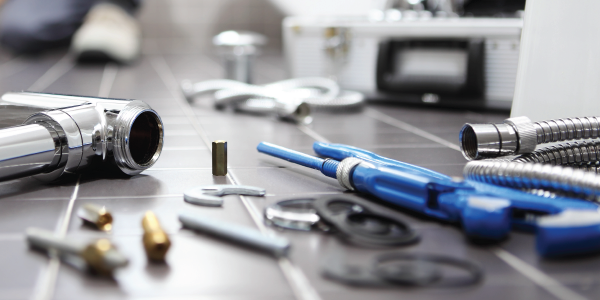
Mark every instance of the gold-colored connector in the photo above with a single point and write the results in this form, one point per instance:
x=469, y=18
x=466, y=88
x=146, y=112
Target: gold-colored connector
x=156, y=241
x=96, y=215
x=102, y=257
x=219, y=158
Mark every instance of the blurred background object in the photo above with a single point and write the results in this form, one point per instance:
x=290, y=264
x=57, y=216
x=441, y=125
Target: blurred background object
x=434, y=52
x=558, y=72
x=237, y=50
x=103, y=30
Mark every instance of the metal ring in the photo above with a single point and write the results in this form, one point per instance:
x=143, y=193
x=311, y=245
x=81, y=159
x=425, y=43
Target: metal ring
x=296, y=214
x=342, y=173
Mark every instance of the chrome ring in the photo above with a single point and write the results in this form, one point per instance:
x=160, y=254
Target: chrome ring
x=342, y=173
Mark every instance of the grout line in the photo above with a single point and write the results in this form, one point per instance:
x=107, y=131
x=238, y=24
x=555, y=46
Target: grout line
x=131, y=197
x=54, y=73
x=108, y=78
x=44, y=289
x=210, y=168
x=548, y=283
x=304, y=194
x=64, y=226
x=313, y=134
x=405, y=126
x=407, y=146
x=537, y=276
x=183, y=148
x=296, y=279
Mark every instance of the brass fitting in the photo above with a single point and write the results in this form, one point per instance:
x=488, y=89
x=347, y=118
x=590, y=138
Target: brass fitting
x=102, y=257
x=219, y=158
x=156, y=241
x=96, y=215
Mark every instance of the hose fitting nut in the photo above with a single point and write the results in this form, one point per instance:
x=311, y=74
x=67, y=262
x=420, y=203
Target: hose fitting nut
x=514, y=136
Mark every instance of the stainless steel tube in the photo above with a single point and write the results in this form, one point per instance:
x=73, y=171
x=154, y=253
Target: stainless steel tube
x=26, y=150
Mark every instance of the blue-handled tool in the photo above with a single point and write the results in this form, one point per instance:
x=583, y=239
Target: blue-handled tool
x=484, y=210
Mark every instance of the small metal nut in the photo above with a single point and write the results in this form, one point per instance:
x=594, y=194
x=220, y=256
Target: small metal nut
x=219, y=158
x=96, y=215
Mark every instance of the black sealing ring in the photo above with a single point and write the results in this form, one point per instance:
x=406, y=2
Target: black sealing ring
x=363, y=223
x=475, y=273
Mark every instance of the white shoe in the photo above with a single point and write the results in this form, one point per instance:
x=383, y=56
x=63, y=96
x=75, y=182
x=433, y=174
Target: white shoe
x=110, y=32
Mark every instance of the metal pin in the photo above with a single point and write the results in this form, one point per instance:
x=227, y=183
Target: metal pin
x=219, y=158
x=156, y=241
x=96, y=215
x=277, y=246
x=100, y=256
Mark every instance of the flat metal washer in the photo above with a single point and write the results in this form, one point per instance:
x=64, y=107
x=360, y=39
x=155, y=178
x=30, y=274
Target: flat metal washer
x=296, y=214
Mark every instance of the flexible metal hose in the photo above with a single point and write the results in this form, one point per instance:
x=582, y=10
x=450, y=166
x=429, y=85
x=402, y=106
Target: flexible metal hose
x=535, y=176
x=567, y=129
x=571, y=167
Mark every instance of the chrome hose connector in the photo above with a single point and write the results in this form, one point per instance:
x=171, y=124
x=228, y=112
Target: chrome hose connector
x=344, y=171
x=514, y=136
x=526, y=134
x=479, y=141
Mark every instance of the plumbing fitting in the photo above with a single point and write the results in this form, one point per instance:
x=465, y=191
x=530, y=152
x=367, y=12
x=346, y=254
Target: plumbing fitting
x=70, y=134
x=238, y=50
x=156, y=241
x=99, y=256
x=520, y=135
x=96, y=216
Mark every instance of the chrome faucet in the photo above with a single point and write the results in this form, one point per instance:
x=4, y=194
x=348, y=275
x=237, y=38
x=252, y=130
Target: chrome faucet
x=71, y=134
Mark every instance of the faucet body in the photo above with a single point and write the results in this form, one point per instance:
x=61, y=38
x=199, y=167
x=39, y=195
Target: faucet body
x=71, y=134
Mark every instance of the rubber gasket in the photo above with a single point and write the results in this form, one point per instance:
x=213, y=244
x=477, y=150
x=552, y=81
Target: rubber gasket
x=420, y=270
x=475, y=273
x=362, y=223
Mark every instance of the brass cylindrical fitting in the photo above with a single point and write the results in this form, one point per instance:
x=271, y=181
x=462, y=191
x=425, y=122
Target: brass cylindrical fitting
x=96, y=215
x=102, y=257
x=156, y=241
x=219, y=158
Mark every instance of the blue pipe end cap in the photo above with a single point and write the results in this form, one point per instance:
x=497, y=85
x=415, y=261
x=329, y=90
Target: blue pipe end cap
x=571, y=232
x=486, y=218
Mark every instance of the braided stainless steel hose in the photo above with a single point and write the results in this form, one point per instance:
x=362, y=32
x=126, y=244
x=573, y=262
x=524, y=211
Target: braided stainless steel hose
x=571, y=168
x=534, y=176
x=520, y=135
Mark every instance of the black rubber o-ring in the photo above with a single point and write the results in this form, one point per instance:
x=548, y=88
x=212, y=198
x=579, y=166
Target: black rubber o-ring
x=475, y=271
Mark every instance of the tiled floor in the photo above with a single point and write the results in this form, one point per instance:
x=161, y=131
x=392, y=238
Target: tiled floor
x=201, y=267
